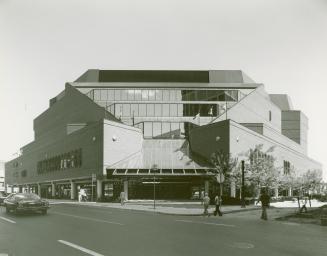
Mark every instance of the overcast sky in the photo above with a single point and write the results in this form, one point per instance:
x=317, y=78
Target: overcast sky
x=43, y=44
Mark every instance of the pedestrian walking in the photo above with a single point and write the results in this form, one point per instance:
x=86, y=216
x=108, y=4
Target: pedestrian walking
x=122, y=198
x=206, y=202
x=304, y=204
x=265, y=201
x=218, y=204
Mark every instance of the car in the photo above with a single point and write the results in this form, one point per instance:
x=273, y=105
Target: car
x=26, y=202
x=3, y=196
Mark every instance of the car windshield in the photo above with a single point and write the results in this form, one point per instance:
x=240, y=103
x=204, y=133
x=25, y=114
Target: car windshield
x=26, y=196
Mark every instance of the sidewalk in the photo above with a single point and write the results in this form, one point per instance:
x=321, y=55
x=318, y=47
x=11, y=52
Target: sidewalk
x=190, y=208
x=163, y=207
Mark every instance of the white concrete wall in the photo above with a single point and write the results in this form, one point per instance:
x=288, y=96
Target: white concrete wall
x=242, y=139
x=119, y=142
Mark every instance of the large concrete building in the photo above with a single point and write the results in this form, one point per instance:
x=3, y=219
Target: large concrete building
x=114, y=130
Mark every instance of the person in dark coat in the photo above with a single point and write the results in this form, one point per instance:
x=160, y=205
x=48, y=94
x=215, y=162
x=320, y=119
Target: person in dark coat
x=218, y=203
x=265, y=201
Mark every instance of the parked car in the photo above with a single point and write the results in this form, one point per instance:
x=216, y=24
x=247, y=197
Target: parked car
x=3, y=195
x=26, y=202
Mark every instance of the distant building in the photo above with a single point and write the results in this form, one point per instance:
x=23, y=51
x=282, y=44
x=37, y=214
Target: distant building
x=127, y=131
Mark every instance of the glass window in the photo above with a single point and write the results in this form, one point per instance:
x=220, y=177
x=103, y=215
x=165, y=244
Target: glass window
x=147, y=129
x=126, y=110
x=166, y=130
x=173, y=110
x=111, y=94
x=124, y=95
x=165, y=95
x=130, y=94
x=134, y=109
x=158, y=94
x=142, y=109
x=96, y=94
x=138, y=95
x=117, y=95
x=118, y=110
x=165, y=109
x=149, y=109
x=175, y=129
x=158, y=109
x=145, y=95
x=178, y=95
x=172, y=95
x=156, y=129
x=152, y=95
x=103, y=94
x=180, y=110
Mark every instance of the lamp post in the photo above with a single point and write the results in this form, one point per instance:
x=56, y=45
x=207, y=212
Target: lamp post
x=154, y=168
x=243, y=187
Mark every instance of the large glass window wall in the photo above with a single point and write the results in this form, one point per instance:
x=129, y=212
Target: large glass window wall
x=163, y=110
x=162, y=130
x=163, y=95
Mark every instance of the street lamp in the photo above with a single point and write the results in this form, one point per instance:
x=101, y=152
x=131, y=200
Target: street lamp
x=154, y=169
x=243, y=187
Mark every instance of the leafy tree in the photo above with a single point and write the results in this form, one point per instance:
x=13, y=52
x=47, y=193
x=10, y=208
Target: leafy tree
x=260, y=168
x=224, y=164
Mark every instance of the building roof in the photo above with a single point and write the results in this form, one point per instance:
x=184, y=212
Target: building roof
x=164, y=76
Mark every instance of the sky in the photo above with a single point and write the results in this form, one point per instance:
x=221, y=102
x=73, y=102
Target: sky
x=46, y=43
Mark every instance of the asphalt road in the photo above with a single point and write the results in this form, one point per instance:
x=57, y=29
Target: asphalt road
x=80, y=230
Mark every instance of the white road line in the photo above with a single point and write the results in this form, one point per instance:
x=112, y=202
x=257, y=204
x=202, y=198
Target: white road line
x=206, y=223
x=86, y=218
x=11, y=221
x=90, y=252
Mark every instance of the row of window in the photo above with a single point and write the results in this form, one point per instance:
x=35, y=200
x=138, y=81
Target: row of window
x=162, y=130
x=163, y=95
x=72, y=159
x=164, y=110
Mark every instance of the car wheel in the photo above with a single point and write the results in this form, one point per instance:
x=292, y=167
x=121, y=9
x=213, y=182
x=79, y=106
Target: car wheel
x=44, y=212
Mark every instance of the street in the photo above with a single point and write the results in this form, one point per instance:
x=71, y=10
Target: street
x=86, y=230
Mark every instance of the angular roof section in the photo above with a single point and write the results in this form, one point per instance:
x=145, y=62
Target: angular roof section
x=283, y=101
x=165, y=76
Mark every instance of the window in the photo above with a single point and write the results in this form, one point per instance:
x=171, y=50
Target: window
x=149, y=109
x=117, y=95
x=97, y=95
x=142, y=109
x=126, y=110
x=165, y=95
x=173, y=110
x=156, y=129
x=147, y=130
x=145, y=95
x=138, y=95
x=111, y=94
x=157, y=109
x=130, y=94
x=166, y=130
x=287, y=167
x=165, y=109
x=103, y=95
x=124, y=95
x=152, y=95
x=159, y=95
x=134, y=109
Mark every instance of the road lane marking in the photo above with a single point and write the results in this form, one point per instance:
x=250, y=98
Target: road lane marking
x=86, y=218
x=88, y=251
x=206, y=223
x=11, y=221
